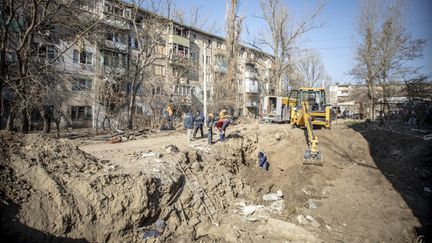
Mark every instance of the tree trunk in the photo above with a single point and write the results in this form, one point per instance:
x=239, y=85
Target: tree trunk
x=131, y=110
x=46, y=121
x=57, y=122
x=24, y=122
x=10, y=121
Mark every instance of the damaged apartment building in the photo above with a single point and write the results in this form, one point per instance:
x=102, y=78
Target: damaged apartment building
x=176, y=75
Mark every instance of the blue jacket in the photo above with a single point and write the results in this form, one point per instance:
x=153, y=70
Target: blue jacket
x=199, y=121
x=262, y=160
x=188, y=121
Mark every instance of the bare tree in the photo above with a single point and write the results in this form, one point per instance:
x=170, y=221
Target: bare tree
x=29, y=52
x=224, y=90
x=384, y=49
x=280, y=35
x=311, y=69
x=149, y=30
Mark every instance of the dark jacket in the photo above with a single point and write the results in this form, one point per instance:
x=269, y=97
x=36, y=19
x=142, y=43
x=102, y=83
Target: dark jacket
x=188, y=121
x=199, y=121
x=262, y=160
x=210, y=122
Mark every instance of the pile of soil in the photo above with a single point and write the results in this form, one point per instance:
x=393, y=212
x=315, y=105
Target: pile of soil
x=51, y=190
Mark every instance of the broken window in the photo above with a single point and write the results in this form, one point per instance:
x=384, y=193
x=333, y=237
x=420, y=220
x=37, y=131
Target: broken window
x=79, y=113
x=82, y=85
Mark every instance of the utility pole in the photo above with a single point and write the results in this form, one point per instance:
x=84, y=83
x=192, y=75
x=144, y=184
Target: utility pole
x=205, y=79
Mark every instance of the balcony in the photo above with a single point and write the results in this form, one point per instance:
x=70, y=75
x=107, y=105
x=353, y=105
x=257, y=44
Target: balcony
x=179, y=58
x=250, y=86
x=115, y=45
x=177, y=39
x=250, y=75
x=117, y=22
x=221, y=67
x=251, y=104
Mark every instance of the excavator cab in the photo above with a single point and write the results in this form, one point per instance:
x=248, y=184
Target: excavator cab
x=316, y=102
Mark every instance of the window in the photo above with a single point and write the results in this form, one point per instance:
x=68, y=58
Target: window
x=46, y=52
x=133, y=42
x=182, y=89
x=219, y=45
x=160, y=49
x=194, y=37
x=127, y=13
x=82, y=85
x=159, y=70
x=114, y=59
x=208, y=60
x=195, y=57
x=114, y=37
x=79, y=113
x=180, y=51
x=82, y=57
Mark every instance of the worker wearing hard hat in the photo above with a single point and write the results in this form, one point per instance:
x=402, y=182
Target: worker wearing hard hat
x=222, y=124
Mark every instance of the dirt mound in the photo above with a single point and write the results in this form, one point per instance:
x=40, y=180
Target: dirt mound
x=51, y=190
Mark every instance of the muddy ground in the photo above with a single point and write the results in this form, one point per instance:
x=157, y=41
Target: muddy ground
x=373, y=187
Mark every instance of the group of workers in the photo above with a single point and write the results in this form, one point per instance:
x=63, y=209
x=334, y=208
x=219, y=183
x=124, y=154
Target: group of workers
x=194, y=123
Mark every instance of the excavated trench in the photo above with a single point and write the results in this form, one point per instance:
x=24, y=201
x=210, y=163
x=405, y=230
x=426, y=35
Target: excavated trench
x=52, y=191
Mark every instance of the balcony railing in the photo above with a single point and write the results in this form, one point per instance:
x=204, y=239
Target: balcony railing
x=116, y=45
x=250, y=86
x=179, y=40
x=250, y=75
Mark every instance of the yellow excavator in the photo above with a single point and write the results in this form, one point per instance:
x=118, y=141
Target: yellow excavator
x=308, y=109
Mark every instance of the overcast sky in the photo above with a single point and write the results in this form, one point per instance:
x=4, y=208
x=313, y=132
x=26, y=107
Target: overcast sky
x=336, y=41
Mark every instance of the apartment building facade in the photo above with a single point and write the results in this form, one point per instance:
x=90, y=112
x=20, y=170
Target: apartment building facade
x=186, y=57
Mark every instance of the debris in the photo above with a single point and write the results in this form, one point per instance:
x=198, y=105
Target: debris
x=277, y=206
x=427, y=189
x=311, y=204
x=151, y=234
x=200, y=147
x=160, y=224
x=301, y=219
x=273, y=196
x=250, y=219
x=115, y=139
x=250, y=209
x=308, y=220
x=172, y=149
x=312, y=221
x=427, y=137
x=151, y=154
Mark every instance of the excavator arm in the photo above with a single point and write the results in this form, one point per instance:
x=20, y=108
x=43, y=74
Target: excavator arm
x=311, y=155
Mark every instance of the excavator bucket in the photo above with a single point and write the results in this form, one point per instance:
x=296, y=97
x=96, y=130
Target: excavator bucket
x=312, y=158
